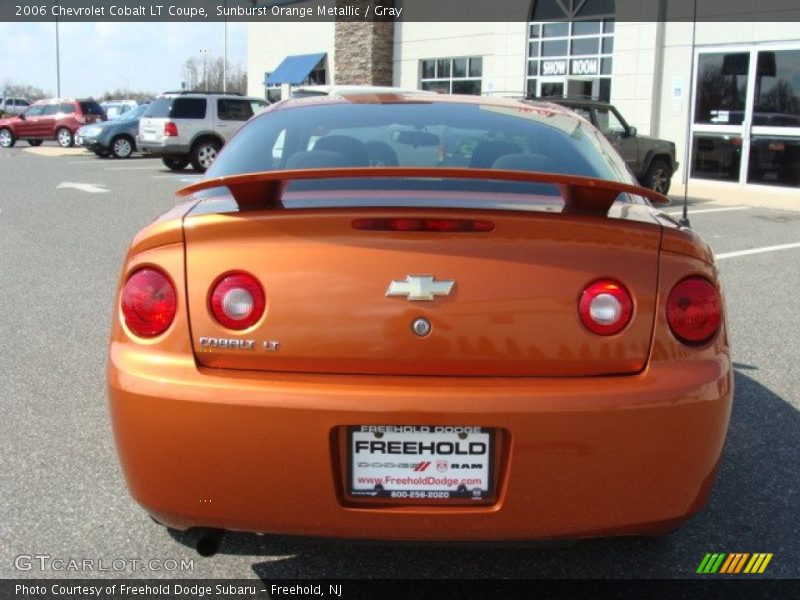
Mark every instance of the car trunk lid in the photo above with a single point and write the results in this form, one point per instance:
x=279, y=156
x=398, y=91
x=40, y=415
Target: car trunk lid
x=344, y=299
x=512, y=309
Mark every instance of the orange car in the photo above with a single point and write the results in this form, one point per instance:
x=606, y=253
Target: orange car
x=405, y=317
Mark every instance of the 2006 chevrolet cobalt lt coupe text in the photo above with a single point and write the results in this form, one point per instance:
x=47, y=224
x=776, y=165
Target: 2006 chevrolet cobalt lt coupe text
x=419, y=317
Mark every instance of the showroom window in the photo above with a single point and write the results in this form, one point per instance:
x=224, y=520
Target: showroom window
x=462, y=75
x=721, y=88
x=746, y=125
x=570, y=49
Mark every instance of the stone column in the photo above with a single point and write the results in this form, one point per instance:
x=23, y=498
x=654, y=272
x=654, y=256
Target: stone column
x=364, y=48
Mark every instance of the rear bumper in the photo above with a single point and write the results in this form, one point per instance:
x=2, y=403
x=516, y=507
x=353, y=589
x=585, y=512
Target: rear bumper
x=162, y=149
x=258, y=452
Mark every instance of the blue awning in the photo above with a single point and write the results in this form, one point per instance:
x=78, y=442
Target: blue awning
x=294, y=69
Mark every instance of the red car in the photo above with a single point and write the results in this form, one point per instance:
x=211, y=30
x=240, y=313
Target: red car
x=52, y=119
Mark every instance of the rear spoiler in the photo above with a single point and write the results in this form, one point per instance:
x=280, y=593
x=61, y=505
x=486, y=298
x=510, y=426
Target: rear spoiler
x=582, y=195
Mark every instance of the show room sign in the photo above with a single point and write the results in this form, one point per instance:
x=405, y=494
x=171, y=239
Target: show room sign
x=577, y=66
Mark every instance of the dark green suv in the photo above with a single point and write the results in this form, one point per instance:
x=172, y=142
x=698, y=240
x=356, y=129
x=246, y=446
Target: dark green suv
x=651, y=160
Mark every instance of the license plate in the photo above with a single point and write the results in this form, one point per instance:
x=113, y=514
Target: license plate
x=420, y=462
x=149, y=137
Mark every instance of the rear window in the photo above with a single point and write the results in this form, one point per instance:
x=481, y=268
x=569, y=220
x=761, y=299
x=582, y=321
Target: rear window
x=438, y=134
x=91, y=108
x=177, y=108
x=189, y=108
x=159, y=109
x=422, y=134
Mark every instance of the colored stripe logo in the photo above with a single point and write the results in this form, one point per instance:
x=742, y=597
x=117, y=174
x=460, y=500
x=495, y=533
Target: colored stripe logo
x=734, y=563
x=423, y=465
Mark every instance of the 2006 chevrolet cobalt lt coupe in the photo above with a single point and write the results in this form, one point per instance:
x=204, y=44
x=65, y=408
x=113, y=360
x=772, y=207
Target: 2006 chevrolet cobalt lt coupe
x=419, y=317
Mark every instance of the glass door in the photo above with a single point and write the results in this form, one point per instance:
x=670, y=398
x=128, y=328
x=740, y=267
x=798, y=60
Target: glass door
x=746, y=117
x=718, y=125
x=774, y=150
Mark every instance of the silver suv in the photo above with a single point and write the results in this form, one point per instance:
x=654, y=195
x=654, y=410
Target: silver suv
x=13, y=106
x=192, y=127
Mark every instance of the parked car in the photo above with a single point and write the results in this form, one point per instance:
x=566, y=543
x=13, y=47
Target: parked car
x=424, y=351
x=13, y=106
x=115, y=108
x=116, y=137
x=650, y=159
x=192, y=127
x=53, y=119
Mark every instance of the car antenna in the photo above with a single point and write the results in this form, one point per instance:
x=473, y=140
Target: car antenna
x=684, y=220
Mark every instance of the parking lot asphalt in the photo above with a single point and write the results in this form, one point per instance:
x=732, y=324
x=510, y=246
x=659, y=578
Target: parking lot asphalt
x=65, y=222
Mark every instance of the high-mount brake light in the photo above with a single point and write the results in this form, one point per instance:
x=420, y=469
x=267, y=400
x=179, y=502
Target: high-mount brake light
x=605, y=307
x=423, y=225
x=149, y=302
x=694, y=310
x=237, y=300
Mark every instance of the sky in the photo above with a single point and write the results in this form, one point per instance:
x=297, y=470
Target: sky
x=96, y=57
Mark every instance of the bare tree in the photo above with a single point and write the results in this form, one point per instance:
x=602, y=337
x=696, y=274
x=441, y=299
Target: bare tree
x=237, y=79
x=781, y=98
x=21, y=90
x=202, y=73
x=192, y=70
x=126, y=94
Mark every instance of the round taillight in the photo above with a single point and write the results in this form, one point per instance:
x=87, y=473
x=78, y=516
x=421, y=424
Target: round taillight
x=149, y=302
x=605, y=307
x=237, y=300
x=694, y=310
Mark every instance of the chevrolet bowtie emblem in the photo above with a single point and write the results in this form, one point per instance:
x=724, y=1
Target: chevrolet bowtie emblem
x=420, y=287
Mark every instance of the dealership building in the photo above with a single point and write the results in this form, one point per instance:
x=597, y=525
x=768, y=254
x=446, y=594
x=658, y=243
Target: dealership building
x=725, y=87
